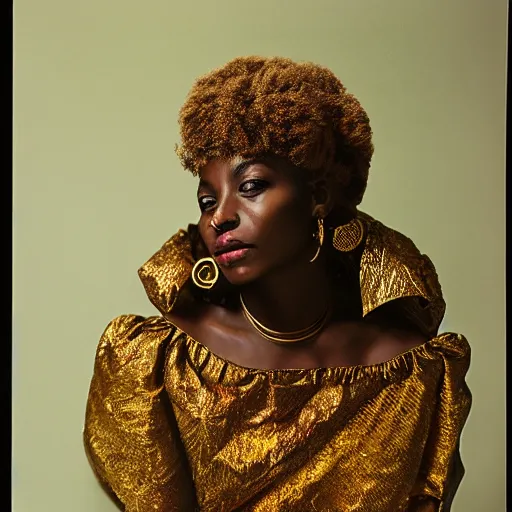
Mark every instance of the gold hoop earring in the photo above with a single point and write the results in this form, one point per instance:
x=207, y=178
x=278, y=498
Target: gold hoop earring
x=205, y=273
x=320, y=237
x=348, y=236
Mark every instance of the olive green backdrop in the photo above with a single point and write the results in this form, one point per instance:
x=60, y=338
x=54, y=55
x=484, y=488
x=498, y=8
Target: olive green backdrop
x=98, y=188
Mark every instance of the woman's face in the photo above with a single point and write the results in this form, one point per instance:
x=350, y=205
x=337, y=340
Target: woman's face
x=256, y=216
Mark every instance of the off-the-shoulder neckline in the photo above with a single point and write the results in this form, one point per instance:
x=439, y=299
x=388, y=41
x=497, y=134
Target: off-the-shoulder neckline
x=394, y=362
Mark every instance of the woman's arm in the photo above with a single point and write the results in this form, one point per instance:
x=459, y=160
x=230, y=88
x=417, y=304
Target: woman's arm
x=441, y=470
x=130, y=433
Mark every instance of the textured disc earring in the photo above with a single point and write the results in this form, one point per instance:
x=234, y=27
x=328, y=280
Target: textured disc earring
x=205, y=273
x=348, y=236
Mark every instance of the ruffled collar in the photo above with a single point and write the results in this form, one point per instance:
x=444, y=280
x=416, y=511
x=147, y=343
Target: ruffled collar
x=391, y=268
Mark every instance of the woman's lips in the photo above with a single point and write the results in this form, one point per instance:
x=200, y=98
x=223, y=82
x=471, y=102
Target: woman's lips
x=230, y=257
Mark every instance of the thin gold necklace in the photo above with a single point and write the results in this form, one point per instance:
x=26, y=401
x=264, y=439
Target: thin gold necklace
x=287, y=337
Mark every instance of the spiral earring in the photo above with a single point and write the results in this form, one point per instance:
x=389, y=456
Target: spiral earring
x=320, y=237
x=205, y=273
x=348, y=236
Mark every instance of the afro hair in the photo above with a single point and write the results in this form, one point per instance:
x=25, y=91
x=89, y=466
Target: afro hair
x=300, y=111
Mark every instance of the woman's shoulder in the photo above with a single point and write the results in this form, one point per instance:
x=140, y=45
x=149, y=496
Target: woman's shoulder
x=129, y=336
x=130, y=326
x=395, y=335
x=212, y=325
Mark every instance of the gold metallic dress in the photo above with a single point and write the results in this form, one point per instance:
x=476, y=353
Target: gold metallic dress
x=170, y=426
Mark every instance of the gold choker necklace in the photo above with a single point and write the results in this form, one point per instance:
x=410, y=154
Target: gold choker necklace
x=287, y=337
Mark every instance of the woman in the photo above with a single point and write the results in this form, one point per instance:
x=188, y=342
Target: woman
x=296, y=362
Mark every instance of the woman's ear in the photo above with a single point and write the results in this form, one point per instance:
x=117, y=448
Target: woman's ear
x=321, y=199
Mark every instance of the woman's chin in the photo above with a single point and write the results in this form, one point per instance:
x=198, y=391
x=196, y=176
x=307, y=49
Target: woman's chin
x=239, y=275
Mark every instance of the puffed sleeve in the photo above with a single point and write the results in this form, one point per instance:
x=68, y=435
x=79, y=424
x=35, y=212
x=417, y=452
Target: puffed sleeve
x=442, y=470
x=130, y=434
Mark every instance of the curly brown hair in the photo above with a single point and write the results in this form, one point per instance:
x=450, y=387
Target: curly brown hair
x=255, y=106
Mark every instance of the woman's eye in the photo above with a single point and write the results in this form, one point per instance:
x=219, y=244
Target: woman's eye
x=253, y=186
x=206, y=202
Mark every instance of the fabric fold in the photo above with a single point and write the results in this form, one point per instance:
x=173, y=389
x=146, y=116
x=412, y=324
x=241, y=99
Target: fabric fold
x=130, y=435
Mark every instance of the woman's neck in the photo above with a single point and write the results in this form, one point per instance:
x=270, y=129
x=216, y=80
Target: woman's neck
x=291, y=298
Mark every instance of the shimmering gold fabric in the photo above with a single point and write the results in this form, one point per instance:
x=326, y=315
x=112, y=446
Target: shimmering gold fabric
x=170, y=426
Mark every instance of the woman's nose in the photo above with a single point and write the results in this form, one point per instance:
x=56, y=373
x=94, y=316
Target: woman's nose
x=225, y=219
x=226, y=225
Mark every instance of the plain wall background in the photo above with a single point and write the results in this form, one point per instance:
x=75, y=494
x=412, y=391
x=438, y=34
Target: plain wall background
x=98, y=188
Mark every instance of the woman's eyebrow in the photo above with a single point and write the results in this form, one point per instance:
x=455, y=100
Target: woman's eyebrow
x=242, y=166
x=203, y=184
